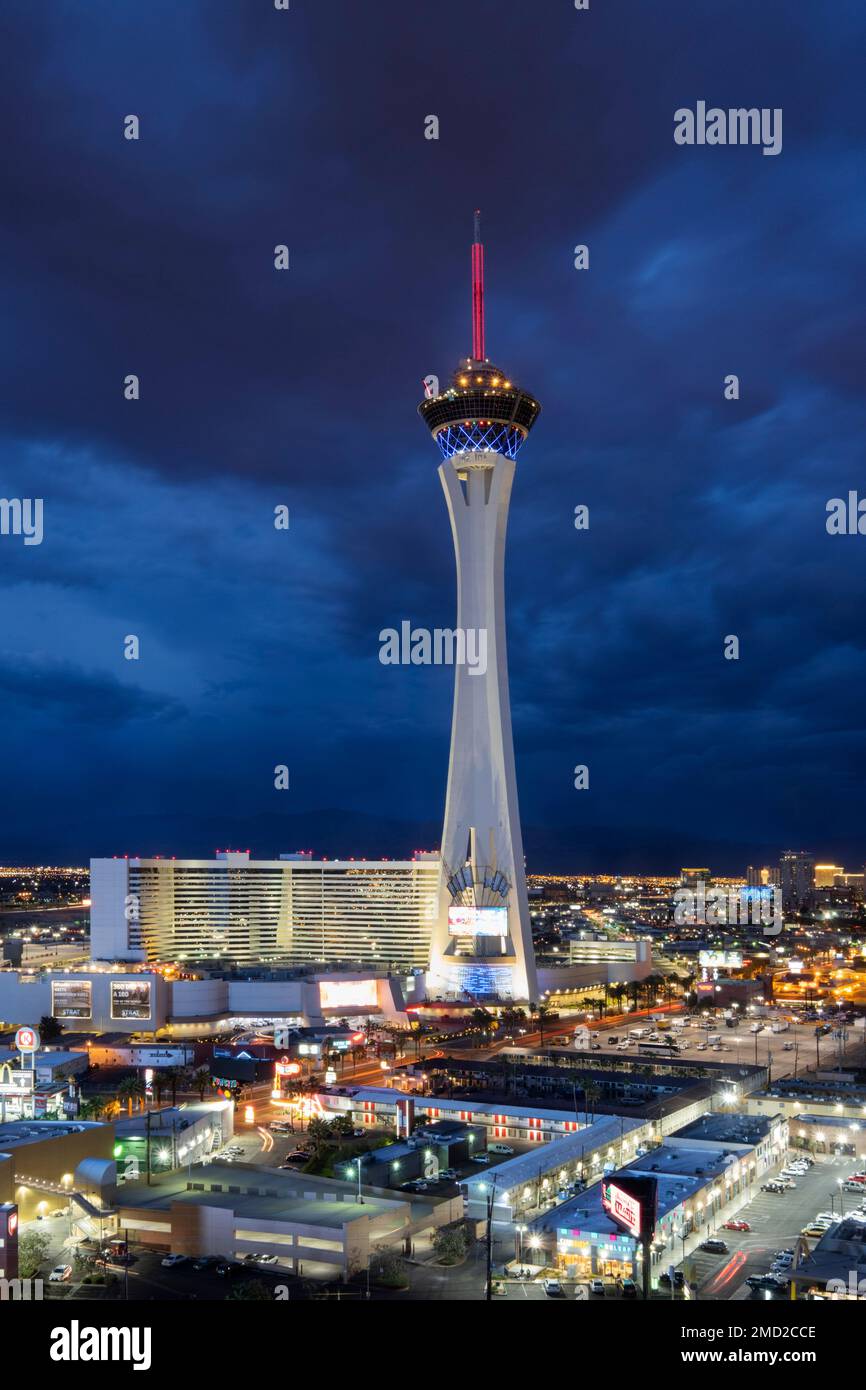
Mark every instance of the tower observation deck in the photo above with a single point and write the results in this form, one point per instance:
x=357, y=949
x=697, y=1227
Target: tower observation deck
x=482, y=409
x=482, y=938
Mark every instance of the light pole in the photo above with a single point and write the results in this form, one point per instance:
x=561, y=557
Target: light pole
x=489, y=1199
x=520, y=1229
x=360, y=1194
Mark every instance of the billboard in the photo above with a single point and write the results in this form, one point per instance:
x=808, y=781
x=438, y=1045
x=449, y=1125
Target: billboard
x=130, y=999
x=348, y=994
x=477, y=921
x=625, y=1209
x=631, y=1203
x=720, y=960
x=9, y=1241
x=71, y=999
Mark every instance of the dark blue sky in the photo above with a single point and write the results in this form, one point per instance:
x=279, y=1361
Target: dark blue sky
x=261, y=647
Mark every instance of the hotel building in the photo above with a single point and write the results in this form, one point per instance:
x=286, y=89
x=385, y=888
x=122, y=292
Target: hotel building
x=293, y=909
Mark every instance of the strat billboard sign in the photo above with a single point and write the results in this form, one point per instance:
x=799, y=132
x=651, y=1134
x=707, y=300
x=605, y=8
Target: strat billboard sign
x=131, y=999
x=72, y=998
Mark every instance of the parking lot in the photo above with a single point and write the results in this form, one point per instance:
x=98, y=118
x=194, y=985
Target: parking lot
x=776, y=1222
x=789, y=1052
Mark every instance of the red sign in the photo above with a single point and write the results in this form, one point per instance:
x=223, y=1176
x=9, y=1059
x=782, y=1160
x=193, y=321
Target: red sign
x=624, y=1208
x=27, y=1040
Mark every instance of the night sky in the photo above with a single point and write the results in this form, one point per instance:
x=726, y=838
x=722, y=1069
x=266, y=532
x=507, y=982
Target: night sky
x=258, y=388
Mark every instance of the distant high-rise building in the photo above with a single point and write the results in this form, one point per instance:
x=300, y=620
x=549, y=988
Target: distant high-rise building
x=690, y=878
x=827, y=874
x=764, y=876
x=797, y=878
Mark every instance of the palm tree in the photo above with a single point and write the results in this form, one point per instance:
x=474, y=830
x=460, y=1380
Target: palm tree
x=200, y=1081
x=160, y=1085
x=175, y=1077
x=591, y=1093
x=129, y=1089
x=93, y=1108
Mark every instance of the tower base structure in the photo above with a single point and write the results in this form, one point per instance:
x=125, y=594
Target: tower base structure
x=482, y=939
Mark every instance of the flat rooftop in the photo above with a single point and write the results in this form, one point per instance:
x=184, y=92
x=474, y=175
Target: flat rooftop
x=178, y=1117
x=15, y=1133
x=525, y=1168
x=838, y=1254
x=729, y=1129
x=271, y=1195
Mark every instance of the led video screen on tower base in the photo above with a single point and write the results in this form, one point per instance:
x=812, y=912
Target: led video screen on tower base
x=477, y=921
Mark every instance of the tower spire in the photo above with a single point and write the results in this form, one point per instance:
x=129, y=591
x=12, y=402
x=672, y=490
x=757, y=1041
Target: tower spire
x=477, y=291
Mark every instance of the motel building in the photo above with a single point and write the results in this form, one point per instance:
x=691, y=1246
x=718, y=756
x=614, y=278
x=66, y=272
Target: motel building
x=699, y=1185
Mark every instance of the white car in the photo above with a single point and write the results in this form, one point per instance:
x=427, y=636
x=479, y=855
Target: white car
x=553, y=1288
x=59, y=1274
x=596, y=1286
x=170, y=1261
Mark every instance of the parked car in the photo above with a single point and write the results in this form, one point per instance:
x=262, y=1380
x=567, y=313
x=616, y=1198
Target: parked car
x=227, y=1269
x=480, y=1158
x=205, y=1262
x=596, y=1286
x=713, y=1246
x=499, y=1148
x=59, y=1274
x=553, y=1288
x=629, y=1288
x=736, y=1226
x=172, y=1261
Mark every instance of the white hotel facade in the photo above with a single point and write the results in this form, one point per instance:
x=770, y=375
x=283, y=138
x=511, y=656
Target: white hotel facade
x=293, y=909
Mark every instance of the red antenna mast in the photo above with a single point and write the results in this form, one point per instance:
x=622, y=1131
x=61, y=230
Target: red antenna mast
x=477, y=292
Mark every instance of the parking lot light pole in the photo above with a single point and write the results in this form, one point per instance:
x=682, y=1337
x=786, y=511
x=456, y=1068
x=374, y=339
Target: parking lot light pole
x=489, y=1197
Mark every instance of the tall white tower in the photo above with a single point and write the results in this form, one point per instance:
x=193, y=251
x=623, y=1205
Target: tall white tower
x=482, y=939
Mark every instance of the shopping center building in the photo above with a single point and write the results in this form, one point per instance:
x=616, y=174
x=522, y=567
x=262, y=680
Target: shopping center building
x=703, y=1173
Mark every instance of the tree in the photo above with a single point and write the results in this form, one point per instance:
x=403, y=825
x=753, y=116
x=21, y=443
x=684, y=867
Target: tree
x=92, y=1108
x=49, y=1028
x=200, y=1081
x=251, y=1290
x=386, y=1268
x=320, y=1132
x=450, y=1244
x=33, y=1249
x=130, y=1089
x=160, y=1084
x=175, y=1077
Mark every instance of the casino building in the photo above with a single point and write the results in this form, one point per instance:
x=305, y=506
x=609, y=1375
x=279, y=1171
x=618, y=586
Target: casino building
x=294, y=909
